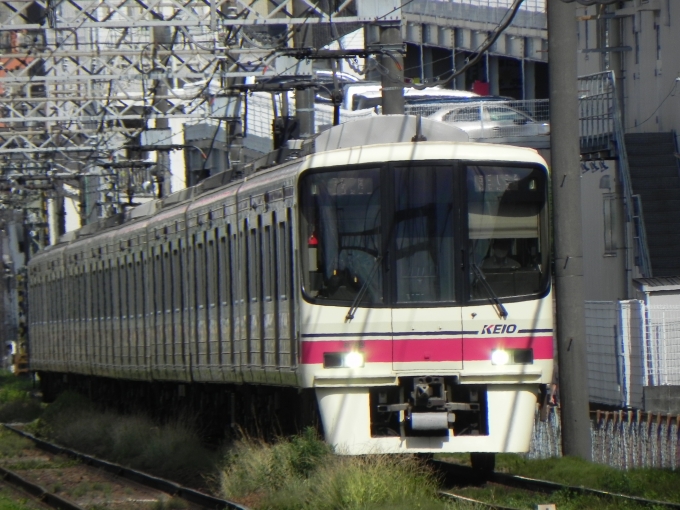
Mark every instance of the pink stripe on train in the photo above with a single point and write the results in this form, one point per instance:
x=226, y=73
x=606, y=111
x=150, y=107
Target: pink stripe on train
x=402, y=350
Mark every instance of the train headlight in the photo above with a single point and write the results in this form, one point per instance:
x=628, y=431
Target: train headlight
x=500, y=357
x=354, y=359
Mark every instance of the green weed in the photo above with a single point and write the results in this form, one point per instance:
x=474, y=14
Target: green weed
x=303, y=473
x=12, y=445
x=170, y=504
x=172, y=451
x=16, y=401
x=647, y=483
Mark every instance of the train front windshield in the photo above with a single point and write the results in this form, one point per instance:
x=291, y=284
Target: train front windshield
x=424, y=235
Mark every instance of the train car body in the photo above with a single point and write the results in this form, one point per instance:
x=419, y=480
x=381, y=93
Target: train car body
x=372, y=275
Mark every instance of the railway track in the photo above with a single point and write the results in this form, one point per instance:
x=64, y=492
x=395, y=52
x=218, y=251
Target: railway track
x=133, y=479
x=456, y=474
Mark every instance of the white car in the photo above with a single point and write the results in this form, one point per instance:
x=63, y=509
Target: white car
x=491, y=120
x=360, y=96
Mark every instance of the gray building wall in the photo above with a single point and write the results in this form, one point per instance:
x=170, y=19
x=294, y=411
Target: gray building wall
x=639, y=41
x=605, y=276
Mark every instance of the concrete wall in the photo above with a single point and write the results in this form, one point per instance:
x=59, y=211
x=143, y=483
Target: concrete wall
x=604, y=256
x=662, y=399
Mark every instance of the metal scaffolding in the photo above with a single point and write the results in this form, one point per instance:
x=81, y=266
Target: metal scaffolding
x=82, y=80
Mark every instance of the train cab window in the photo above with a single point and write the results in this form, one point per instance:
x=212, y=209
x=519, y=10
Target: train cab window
x=343, y=253
x=508, y=231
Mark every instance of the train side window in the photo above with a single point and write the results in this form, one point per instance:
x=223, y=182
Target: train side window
x=139, y=295
x=290, y=285
x=213, y=276
x=158, y=283
x=126, y=297
x=116, y=289
x=223, y=278
x=168, y=281
x=124, y=290
x=253, y=263
x=177, y=277
x=199, y=261
x=282, y=259
x=97, y=301
x=107, y=291
x=131, y=300
x=268, y=262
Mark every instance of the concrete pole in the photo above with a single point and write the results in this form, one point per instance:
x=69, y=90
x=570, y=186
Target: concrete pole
x=304, y=99
x=460, y=79
x=492, y=75
x=162, y=37
x=393, y=79
x=565, y=148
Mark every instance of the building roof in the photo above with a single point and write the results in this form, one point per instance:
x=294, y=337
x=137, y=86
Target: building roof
x=661, y=283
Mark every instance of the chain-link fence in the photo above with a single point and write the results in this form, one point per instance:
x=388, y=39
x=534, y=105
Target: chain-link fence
x=662, y=345
x=631, y=345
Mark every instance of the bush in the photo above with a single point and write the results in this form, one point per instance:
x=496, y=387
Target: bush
x=302, y=473
x=172, y=451
x=253, y=466
x=16, y=401
x=175, y=451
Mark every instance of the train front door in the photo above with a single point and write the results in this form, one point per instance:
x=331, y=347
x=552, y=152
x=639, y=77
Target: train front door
x=424, y=269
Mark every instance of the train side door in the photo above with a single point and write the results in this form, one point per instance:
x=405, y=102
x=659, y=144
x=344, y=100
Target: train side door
x=424, y=269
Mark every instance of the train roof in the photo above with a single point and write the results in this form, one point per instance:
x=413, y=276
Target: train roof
x=389, y=137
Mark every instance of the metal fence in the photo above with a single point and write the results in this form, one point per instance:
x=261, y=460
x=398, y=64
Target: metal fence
x=631, y=345
x=622, y=439
x=662, y=345
x=597, y=111
x=527, y=5
x=490, y=119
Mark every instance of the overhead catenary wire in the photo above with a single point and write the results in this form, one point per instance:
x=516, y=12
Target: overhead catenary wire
x=128, y=58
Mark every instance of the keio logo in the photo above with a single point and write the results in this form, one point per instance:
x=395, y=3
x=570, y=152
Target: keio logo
x=498, y=329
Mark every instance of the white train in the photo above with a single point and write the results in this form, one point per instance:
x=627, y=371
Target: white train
x=405, y=283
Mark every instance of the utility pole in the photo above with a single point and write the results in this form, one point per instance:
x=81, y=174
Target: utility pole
x=565, y=156
x=304, y=99
x=162, y=38
x=393, y=78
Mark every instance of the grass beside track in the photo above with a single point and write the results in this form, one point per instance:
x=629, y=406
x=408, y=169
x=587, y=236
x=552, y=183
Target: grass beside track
x=657, y=484
x=17, y=403
x=172, y=451
x=301, y=473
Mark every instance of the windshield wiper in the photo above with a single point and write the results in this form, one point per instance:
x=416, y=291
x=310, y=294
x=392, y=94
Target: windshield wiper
x=363, y=289
x=480, y=275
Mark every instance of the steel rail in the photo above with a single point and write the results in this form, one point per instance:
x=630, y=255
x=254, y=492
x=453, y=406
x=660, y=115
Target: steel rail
x=464, y=499
x=545, y=486
x=37, y=492
x=160, y=484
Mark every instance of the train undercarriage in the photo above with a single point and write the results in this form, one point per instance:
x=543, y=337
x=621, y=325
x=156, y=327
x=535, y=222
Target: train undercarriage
x=422, y=414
